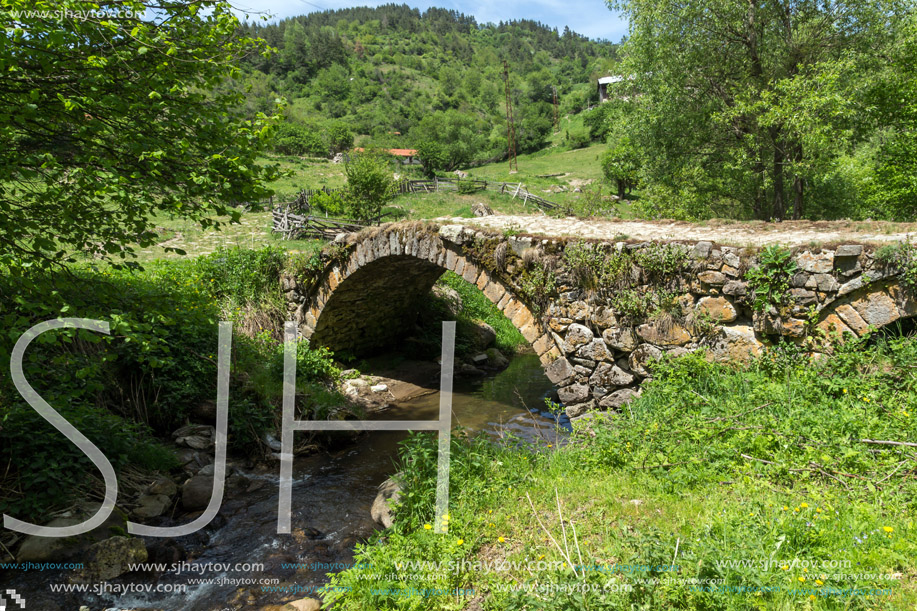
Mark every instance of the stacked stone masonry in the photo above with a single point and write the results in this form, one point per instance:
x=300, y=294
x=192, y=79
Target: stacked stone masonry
x=367, y=300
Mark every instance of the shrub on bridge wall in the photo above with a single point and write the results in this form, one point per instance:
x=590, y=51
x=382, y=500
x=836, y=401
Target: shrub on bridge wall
x=901, y=259
x=769, y=280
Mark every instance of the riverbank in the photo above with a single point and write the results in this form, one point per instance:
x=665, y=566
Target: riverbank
x=717, y=488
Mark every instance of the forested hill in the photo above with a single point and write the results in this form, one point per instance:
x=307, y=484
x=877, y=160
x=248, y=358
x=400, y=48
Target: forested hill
x=394, y=69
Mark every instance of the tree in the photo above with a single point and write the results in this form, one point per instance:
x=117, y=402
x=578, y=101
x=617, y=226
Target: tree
x=620, y=164
x=730, y=99
x=116, y=115
x=370, y=185
x=459, y=136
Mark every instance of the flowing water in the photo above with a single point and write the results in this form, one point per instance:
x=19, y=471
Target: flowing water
x=332, y=496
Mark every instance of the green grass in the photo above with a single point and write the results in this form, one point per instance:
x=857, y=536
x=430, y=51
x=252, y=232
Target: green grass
x=669, y=474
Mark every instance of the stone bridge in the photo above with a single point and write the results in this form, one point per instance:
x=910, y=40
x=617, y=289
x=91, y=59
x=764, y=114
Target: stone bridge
x=596, y=313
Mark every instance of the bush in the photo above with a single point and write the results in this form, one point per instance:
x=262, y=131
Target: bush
x=298, y=139
x=370, y=185
x=332, y=204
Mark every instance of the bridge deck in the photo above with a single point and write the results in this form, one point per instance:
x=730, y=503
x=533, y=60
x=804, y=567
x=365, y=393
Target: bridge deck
x=754, y=233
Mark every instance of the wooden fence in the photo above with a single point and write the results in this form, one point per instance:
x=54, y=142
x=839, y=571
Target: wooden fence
x=297, y=219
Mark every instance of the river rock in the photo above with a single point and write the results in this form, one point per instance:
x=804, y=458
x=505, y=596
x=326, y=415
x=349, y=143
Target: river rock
x=484, y=334
x=389, y=494
x=110, y=558
x=451, y=297
x=272, y=442
x=162, y=485
x=496, y=359
x=195, y=436
x=151, y=505
x=303, y=604
x=57, y=549
x=196, y=492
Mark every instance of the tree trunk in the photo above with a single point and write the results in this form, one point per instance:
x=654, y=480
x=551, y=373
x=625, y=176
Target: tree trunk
x=779, y=206
x=798, y=185
x=622, y=184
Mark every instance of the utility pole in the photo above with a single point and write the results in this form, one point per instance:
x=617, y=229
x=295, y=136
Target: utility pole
x=510, y=124
x=556, y=117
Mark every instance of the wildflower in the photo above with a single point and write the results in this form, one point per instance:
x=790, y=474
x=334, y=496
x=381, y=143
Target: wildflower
x=819, y=582
x=818, y=510
x=785, y=507
x=888, y=529
x=801, y=579
x=427, y=527
x=460, y=541
x=785, y=567
x=811, y=597
x=845, y=391
x=501, y=539
x=804, y=505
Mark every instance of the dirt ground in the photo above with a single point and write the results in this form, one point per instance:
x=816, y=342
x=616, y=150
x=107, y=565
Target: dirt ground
x=727, y=232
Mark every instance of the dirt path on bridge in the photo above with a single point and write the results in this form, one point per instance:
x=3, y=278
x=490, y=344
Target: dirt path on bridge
x=734, y=233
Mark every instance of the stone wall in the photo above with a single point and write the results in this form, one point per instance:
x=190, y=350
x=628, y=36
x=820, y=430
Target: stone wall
x=596, y=355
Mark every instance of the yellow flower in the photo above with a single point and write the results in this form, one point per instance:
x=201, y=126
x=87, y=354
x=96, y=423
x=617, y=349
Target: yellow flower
x=785, y=507
x=427, y=527
x=818, y=510
x=541, y=557
x=888, y=529
x=819, y=582
x=501, y=539
x=845, y=391
x=785, y=567
x=801, y=579
x=460, y=541
x=796, y=509
x=805, y=570
x=804, y=505
x=446, y=517
x=811, y=597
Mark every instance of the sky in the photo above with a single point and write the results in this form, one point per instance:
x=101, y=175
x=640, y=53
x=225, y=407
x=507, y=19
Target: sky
x=591, y=18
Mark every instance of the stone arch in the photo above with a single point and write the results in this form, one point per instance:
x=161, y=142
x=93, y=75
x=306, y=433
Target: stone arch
x=364, y=301
x=872, y=306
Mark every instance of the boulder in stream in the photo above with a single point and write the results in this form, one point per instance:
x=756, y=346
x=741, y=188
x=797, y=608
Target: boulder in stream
x=57, y=549
x=110, y=558
x=389, y=494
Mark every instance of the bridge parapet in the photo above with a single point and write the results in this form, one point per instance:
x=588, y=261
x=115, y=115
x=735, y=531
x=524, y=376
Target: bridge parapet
x=598, y=314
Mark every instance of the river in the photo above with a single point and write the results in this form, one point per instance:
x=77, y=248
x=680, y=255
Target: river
x=332, y=496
